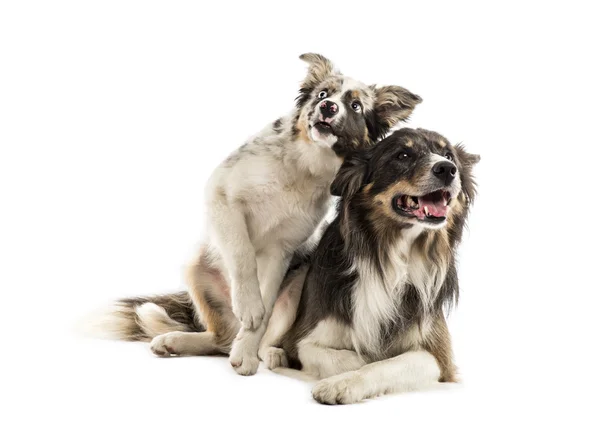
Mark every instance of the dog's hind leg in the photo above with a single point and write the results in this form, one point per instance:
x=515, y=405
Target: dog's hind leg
x=273, y=264
x=185, y=344
x=209, y=292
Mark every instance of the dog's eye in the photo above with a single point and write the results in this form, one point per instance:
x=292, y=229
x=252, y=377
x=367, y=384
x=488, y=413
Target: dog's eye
x=356, y=106
x=322, y=94
x=404, y=156
x=449, y=156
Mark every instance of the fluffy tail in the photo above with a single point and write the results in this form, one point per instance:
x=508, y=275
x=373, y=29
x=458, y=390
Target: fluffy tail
x=143, y=318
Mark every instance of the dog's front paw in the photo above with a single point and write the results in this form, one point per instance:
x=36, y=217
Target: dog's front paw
x=243, y=361
x=168, y=344
x=275, y=357
x=249, y=309
x=340, y=389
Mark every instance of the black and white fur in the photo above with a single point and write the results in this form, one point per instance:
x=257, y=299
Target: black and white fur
x=370, y=317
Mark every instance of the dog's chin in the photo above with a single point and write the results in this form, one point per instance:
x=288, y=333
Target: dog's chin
x=322, y=133
x=429, y=210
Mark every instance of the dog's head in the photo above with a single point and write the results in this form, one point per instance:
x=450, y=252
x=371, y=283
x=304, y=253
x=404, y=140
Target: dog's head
x=410, y=177
x=343, y=113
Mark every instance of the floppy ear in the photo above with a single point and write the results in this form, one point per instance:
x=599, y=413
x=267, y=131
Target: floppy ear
x=350, y=177
x=465, y=158
x=392, y=105
x=467, y=161
x=318, y=70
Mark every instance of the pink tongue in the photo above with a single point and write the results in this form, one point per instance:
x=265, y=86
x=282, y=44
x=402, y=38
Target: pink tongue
x=435, y=207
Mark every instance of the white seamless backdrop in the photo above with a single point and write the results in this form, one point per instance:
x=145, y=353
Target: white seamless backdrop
x=114, y=113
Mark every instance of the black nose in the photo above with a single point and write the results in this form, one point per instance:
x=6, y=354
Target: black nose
x=445, y=171
x=328, y=108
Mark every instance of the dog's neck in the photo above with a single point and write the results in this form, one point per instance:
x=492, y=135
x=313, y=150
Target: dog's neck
x=399, y=253
x=400, y=274
x=307, y=156
x=318, y=160
x=380, y=262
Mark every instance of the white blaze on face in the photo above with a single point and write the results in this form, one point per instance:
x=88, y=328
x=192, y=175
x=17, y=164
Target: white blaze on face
x=337, y=98
x=455, y=186
x=326, y=138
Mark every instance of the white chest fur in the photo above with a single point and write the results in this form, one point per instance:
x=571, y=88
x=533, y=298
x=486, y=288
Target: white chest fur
x=281, y=185
x=378, y=292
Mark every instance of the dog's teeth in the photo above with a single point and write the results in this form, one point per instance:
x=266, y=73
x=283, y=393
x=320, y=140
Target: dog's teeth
x=426, y=210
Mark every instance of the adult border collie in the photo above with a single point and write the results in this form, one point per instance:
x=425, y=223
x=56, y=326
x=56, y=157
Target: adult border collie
x=370, y=318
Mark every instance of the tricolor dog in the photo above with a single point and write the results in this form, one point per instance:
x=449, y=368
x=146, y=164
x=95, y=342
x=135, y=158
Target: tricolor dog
x=370, y=317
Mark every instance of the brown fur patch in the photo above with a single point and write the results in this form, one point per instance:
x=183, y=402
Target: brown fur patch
x=386, y=227
x=438, y=343
x=457, y=207
x=382, y=202
x=400, y=187
x=302, y=130
x=204, y=283
x=434, y=245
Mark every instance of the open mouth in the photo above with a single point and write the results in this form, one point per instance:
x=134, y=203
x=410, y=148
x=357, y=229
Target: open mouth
x=324, y=128
x=432, y=207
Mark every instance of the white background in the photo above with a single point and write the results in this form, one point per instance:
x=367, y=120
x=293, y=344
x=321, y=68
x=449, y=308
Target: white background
x=113, y=114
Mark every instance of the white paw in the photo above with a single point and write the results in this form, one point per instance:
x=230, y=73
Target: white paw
x=249, y=309
x=244, y=362
x=169, y=344
x=275, y=357
x=340, y=389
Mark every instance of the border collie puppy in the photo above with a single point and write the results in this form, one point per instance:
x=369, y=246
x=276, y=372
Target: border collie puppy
x=370, y=318
x=264, y=202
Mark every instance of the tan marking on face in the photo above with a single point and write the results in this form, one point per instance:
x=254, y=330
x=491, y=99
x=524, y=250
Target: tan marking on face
x=400, y=187
x=456, y=207
x=404, y=187
x=409, y=143
x=368, y=187
x=442, y=143
x=302, y=128
x=382, y=202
